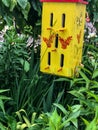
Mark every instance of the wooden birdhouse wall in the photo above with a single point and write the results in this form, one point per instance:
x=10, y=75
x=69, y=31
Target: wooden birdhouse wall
x=62, y=37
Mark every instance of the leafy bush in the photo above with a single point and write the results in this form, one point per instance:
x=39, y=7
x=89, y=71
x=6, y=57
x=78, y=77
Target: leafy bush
x=13, y=58
x=23, y=12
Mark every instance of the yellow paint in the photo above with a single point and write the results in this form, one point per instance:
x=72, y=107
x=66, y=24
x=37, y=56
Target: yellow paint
x=52, y=54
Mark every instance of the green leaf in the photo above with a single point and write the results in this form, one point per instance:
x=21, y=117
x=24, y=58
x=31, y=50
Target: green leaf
x=26, y=121
x=75, y=122
x=76, y=80
x=93, y=95
x=55, y=121
x=75, y=108
x=61, y=108
x=59, y=97
x=11, y=122
x=4, y=97
x=6, y=2
x=2, y=106
x=25, y=64
x=23, y=126
x=48, y=101
x=26, y=11
x=85, y=78
x=76, y=93
x=74, y=114
x=62, y=79
x=18, y=113
x=22, y=3
x=13, y=4
x=95, y=74
x=33, y=117
x=85, y=121
x=2, y=126
x=4, y=90
x=93, y=124
x=8, y=20
x=35, y=127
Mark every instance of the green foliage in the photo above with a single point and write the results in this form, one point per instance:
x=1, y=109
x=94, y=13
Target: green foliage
x=24, y=6
x=21, y=11
x=49, y=121
x=86, y=94
x=8, y=123
x=36, y=5
x=93, y=125
x=2, y=98
x=34, y=123
x=92, y=8
x=13, y=58
x=40, y=101
x=5, y=120
x=55, y=121
x=70, y=116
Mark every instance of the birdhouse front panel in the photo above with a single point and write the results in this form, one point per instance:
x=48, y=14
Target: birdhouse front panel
x=62, y=37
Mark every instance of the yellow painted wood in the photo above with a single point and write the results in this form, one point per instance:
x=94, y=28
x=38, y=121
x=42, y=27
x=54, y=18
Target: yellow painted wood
x=70, y=35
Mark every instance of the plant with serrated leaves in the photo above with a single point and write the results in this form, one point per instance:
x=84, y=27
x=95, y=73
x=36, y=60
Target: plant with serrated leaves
x=86, y=94
x=92, y=125
x=67, y=119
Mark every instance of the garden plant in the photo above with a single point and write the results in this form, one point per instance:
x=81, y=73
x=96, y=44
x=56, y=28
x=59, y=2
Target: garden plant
x=31, y=100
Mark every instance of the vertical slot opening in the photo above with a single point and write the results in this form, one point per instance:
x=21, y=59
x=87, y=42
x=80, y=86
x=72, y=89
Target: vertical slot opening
x=56, y=41
x=49, y=58
x=51, y=19
x=63, y=20
x=62, y=60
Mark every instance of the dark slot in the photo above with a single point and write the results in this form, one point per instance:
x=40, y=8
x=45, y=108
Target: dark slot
x=49, y=58
x=62, y=60
x=63, y=20
x=56, y=41
x=51, y=19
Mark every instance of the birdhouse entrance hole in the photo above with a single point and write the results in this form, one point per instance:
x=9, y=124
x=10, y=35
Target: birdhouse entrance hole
x=63, y=20
x=49, y=58
x=62, y=60
x=51, y=19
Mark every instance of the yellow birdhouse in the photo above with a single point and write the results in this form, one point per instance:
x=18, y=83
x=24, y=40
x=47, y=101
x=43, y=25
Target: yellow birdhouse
x=62, y=36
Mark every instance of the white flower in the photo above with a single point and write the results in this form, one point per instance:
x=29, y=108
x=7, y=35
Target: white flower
x=91, y=35
x=30, y=41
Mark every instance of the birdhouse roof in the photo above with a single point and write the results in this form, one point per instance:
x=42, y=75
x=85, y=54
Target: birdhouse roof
x=70, y=1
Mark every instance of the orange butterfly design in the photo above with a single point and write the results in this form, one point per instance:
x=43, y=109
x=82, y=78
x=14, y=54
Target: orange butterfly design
x=49, y=41
x=65, y=42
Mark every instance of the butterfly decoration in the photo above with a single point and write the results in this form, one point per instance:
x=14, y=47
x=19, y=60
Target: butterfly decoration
x=49, y=41
x=79, y=36
x=65, y=42
x=79, y=19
